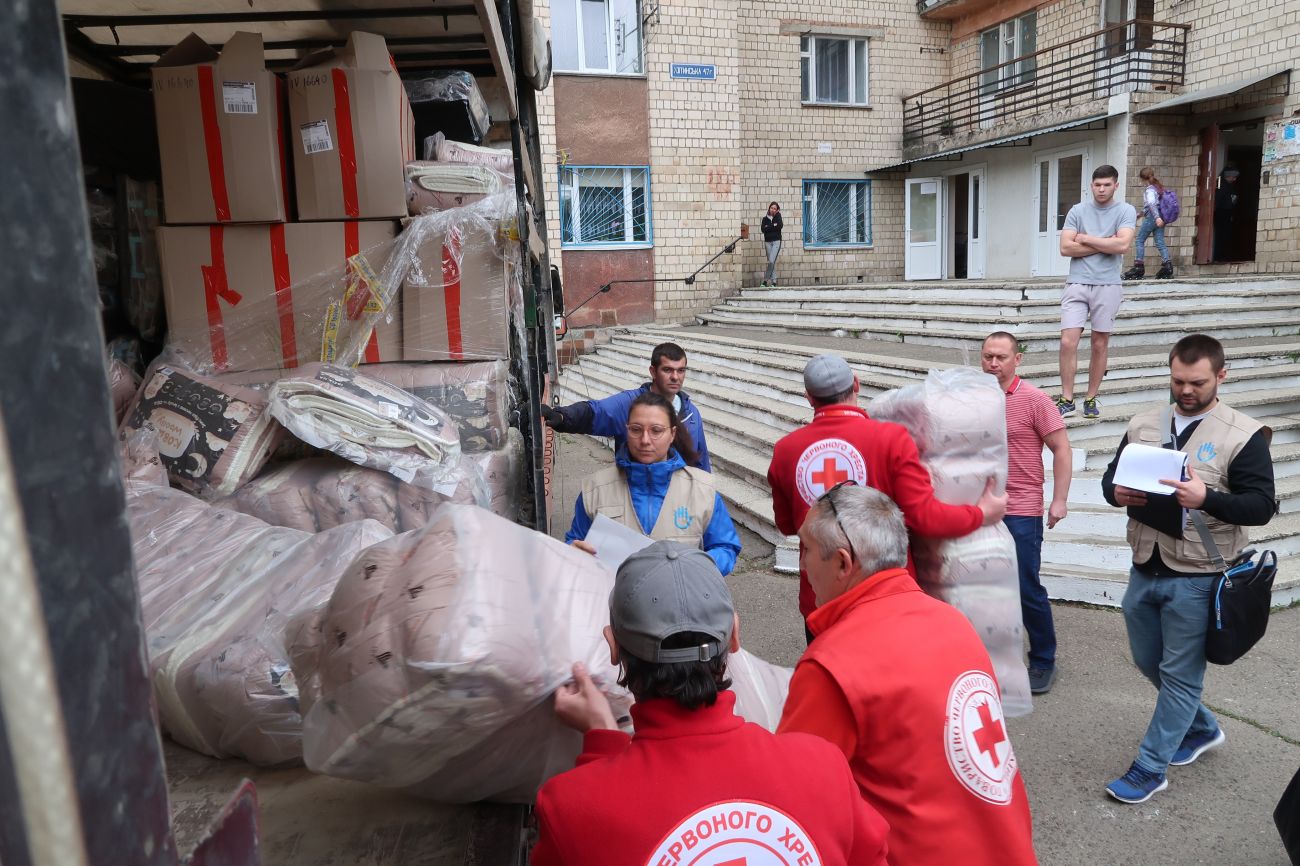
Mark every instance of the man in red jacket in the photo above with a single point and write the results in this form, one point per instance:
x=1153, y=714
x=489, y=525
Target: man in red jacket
x=902, y=685
x=696, y=784
x=844, y=444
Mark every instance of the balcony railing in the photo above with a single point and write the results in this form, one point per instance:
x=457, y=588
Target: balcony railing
x=1133, y=55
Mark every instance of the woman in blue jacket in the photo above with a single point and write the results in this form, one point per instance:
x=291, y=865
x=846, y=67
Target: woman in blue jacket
x=652, y=490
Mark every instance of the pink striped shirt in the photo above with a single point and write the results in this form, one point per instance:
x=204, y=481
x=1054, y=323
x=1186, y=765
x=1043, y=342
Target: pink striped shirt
x=1031, y=418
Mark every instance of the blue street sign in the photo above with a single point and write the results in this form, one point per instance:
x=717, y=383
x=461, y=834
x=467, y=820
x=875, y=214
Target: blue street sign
x=698, y=71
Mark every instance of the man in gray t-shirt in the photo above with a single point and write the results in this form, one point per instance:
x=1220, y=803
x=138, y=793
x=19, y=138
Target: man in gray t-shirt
x=1095, y=237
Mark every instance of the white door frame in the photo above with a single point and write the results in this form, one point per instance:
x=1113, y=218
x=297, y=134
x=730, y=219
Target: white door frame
x=1045, y=256
x=924, y=260
x=978, y=255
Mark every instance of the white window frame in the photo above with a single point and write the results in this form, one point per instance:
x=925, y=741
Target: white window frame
x=1010, y=36
x=611, y=43
x=861, y=189
x=808, y=52
x=569, y=180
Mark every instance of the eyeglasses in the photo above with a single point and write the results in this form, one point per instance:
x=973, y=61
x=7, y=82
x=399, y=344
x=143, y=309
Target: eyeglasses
x=636, y=431
x=835, y=512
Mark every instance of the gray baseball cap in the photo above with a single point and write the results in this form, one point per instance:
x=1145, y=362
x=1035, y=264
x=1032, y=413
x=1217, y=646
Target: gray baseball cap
x=666, y=589
x=827, y=375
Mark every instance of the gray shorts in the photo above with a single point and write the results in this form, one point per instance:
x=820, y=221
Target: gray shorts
x=1081, y=301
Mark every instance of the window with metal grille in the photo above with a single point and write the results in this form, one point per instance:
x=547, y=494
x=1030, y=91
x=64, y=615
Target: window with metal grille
x=605, y=206
x=837, y=213
x=833, y=71
x=597, y=36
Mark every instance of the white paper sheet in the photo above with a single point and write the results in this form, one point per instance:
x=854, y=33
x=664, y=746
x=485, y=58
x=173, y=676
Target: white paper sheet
x=1142, y=466
x=614, y=542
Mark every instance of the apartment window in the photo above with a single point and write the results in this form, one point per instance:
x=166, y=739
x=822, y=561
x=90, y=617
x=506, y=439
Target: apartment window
x=833, y=71
x=1004, y=43
x=605, y=206
x=597, y=36
x=837, y=213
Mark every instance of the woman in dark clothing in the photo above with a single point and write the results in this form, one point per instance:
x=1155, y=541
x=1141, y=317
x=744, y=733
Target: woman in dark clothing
x=772, y=240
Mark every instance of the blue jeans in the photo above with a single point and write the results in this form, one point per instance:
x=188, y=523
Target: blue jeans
x=1035, y=609
x=1149, y=228
x=1167, y=618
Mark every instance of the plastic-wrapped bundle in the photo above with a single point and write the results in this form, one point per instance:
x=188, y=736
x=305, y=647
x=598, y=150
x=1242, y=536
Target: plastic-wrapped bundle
x=438, y=148
x=476, y=395
x=122, y=385
x=431, y=668
x=761, y=688
x=436, y=186
x=958, y=419
x=371, y=423
x=215, y=589
x=448, y=102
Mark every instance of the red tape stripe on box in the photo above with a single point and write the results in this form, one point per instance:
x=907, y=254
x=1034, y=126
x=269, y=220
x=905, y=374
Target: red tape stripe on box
x=347, y=146
x=212, y=144
x=451, y=259
x=215, y=290
x=283, y=297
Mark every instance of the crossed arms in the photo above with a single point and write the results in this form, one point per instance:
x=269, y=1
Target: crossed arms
x=1076, y=244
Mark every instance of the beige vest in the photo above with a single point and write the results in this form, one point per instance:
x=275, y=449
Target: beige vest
x=1213, y=445
x=684, y=515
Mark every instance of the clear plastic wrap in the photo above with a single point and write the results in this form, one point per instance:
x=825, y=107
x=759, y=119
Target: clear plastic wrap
x=215, y=589
x=761, y=688
x=958, y=419
x=432, y=666
x=123, y=382
x=449, y=102
x=477, y=395
x=213, y=436
x=437, y=186
x=371, y=423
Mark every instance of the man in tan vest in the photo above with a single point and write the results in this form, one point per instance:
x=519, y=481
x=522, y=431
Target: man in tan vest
x=1166, y=606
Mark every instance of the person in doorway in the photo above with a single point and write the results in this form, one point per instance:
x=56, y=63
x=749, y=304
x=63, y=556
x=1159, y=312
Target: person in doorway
x=1227, y=198
x=1153, y=225
x=1032, y=422
x=608, y=417
x=696, y=783
x=901, y=683
x=1230, y=483
x=651, y=489
x=843, y=443
x=1096, y=235
x=772, y=241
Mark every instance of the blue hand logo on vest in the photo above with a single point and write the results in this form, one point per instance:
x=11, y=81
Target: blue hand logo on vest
x=1206, y=452
x=682, y=518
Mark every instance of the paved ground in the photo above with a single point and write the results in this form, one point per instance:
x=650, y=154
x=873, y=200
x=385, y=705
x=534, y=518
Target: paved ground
x=1217, y=811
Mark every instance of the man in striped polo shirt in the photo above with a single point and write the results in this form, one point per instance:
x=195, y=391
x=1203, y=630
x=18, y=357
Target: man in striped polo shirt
x=1032, y=422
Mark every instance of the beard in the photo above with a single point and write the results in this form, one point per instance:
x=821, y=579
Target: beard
x=1195, y=405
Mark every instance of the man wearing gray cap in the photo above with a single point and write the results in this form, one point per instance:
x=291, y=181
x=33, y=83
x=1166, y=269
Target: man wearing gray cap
x=843, y=444
x=695, y=777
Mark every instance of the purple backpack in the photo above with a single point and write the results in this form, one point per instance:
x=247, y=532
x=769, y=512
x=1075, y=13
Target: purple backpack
x=1168, y=206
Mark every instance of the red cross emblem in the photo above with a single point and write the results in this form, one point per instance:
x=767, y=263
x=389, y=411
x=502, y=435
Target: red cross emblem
x=830, y=474
x=989, y=734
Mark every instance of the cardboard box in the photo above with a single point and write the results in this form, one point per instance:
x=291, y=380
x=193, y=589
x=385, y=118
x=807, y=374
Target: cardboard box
x=258, y=297
x=351, y=132
x=220, y=133
x=456, y=304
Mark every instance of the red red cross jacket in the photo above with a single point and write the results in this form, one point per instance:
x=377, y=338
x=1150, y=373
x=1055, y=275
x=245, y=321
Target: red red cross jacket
x=900, y=682
x=842, y=442
x=705, y=786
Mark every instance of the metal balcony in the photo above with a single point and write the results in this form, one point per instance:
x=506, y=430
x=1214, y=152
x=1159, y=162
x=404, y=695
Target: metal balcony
x=1050, y=83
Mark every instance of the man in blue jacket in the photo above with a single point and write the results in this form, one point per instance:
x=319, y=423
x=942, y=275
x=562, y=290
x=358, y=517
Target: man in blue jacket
x=608, y=417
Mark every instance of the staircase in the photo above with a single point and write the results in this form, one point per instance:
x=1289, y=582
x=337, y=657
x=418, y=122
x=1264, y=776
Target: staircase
x=747, y=356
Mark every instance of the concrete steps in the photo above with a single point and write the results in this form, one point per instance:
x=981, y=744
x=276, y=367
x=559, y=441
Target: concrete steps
x=749, y=387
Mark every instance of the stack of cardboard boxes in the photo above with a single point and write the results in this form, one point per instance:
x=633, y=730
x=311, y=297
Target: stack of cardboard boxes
x=255, y=254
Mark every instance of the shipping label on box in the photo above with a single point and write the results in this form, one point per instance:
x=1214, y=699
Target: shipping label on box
x=220, y=133
x=351, y=132
x=458, y=297
x=259, y=297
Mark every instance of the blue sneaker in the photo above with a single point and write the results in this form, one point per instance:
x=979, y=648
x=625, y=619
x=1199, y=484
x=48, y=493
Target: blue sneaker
x=1137, y=785
x=1065, y=407
x=1090, y=408
x=1195, y=745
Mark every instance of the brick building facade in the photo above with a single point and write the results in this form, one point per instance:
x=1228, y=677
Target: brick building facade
x=944, y=138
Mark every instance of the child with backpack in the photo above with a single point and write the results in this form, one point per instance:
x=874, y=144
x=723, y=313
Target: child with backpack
x=1160, y=207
